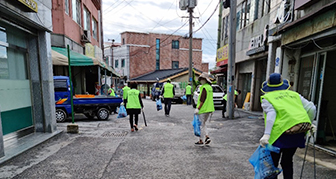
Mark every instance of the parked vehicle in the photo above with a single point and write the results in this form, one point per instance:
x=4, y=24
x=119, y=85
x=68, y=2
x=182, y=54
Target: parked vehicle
x=89, y=105
x=218, y=94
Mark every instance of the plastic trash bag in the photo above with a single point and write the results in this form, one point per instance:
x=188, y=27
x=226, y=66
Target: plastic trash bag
x=197, y=125
x=184, y=98
x=158, y=104
x=263, y=164
x=122, y=112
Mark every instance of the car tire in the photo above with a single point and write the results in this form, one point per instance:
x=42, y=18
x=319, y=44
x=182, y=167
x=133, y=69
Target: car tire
x=193, y=103
x=103, y=114
x=61, y=115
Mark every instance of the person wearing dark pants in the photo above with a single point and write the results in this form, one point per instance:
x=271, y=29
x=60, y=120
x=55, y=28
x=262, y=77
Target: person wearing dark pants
x=168, y=94
x=224, y=108
x=134, y=105
x=188, y=94
x=284, y=111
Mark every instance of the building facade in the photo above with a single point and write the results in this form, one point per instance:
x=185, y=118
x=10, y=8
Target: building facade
x=296, y=39
x=151, y=51
x=26, y=82
x=79, y=24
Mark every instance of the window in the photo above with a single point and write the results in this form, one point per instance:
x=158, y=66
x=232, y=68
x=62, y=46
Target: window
x=123, y=41
x=116, y=63
x=238, y=20
x=266, y=7
x=175, y=44
x=94, y=28
x=86, y=19
x=226, y=31
x=76, y=11
x=157, y=54
x=13, y=53
x=254, y=10
x=60, y=85
x=66, y=6
x=175, y=64
x=122, y=62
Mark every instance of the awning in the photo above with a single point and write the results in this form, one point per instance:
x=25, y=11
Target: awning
x=60, y=57
x=220, y=70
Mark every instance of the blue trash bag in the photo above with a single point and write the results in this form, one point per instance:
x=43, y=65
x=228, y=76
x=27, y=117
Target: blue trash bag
x=184, y=98
x=197, y=125
x=122, y=112
x=263, y=164
x=158, y=104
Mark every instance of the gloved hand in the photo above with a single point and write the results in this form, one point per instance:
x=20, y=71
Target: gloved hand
x=312, y=130
x=196, y=111
x=122, y=103
x=142, y=110
x=264, y=140
x=160, y=96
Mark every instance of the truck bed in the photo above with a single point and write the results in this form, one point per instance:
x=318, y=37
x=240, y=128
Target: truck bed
x=97, y=100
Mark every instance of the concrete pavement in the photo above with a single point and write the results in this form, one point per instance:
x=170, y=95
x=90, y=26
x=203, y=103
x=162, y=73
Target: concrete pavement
x=164, y=149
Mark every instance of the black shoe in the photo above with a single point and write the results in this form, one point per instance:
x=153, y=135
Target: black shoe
x=135, y=127
x=199, y=142
x=207, y=140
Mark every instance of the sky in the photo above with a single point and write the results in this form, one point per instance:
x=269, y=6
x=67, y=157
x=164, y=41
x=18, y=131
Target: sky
x=162, y=16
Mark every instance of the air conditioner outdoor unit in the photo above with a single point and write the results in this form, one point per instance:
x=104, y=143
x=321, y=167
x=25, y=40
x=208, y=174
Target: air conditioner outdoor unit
x=86, y=37
x=192, y=3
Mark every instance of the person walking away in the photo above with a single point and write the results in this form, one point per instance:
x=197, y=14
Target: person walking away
x=188, y=94
x=168, y=94
x=111, y=91
x=205, y=106
x=284, y=109
x=125, y=90
x=225, y=101
x=134, y=106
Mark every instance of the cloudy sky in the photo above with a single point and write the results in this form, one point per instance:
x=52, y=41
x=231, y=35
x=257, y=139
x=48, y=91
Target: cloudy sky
x=162, y=16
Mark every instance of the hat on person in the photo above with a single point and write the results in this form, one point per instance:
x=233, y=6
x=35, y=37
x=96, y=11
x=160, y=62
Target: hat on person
x=169, y=80
x=205, y=76
x=274, y=83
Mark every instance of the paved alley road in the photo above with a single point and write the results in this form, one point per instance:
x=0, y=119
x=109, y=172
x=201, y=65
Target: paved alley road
x=163, y=149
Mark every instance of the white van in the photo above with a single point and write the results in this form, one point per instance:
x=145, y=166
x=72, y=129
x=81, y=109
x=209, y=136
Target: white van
x=218, y=94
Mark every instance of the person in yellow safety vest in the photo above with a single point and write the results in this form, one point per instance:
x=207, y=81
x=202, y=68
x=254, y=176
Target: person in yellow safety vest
x=236, y=93
x=168, y=94
x=134, y=105
x=188, y=94
x=205, y=106
x=111, y=91
x=284, y=109
x=125, y=90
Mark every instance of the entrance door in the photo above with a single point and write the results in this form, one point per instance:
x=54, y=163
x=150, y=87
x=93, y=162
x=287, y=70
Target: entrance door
x=317, y=95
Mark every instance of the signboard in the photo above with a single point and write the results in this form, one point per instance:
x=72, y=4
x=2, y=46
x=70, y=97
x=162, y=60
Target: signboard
x=222, y=55
x=31, y=4
x=89, y=50
x=258, y=43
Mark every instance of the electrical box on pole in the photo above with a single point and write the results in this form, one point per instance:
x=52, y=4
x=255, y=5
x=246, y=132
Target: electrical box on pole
x=185, y=4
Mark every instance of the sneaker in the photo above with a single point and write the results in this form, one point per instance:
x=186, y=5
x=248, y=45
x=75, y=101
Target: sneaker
x=132, y=130
x=199, y=142
x=207, y=140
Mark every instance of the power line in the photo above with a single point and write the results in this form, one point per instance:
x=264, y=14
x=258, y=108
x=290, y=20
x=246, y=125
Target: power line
x=207, y=19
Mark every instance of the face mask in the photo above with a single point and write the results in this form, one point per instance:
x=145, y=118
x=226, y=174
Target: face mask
x=203, y=81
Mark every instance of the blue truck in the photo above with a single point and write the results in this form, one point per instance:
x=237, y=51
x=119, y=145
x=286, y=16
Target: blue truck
x=89, y=105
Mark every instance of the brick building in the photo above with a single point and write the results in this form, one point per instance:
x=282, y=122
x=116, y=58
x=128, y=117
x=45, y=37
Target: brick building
x=152, y=51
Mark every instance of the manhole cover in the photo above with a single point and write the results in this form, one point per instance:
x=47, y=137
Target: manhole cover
x=114, y=134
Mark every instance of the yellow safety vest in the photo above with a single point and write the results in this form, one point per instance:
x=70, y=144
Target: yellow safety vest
x=188, y=90
x=208, y=105
x=133, y=99
x=168, y=91
x=225, y=96
x=289, y=111
x=111, y=92
x=125, y=90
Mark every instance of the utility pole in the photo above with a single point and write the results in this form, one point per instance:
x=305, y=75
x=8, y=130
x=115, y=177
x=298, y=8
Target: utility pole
x=190, y=10
x=232, y=57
